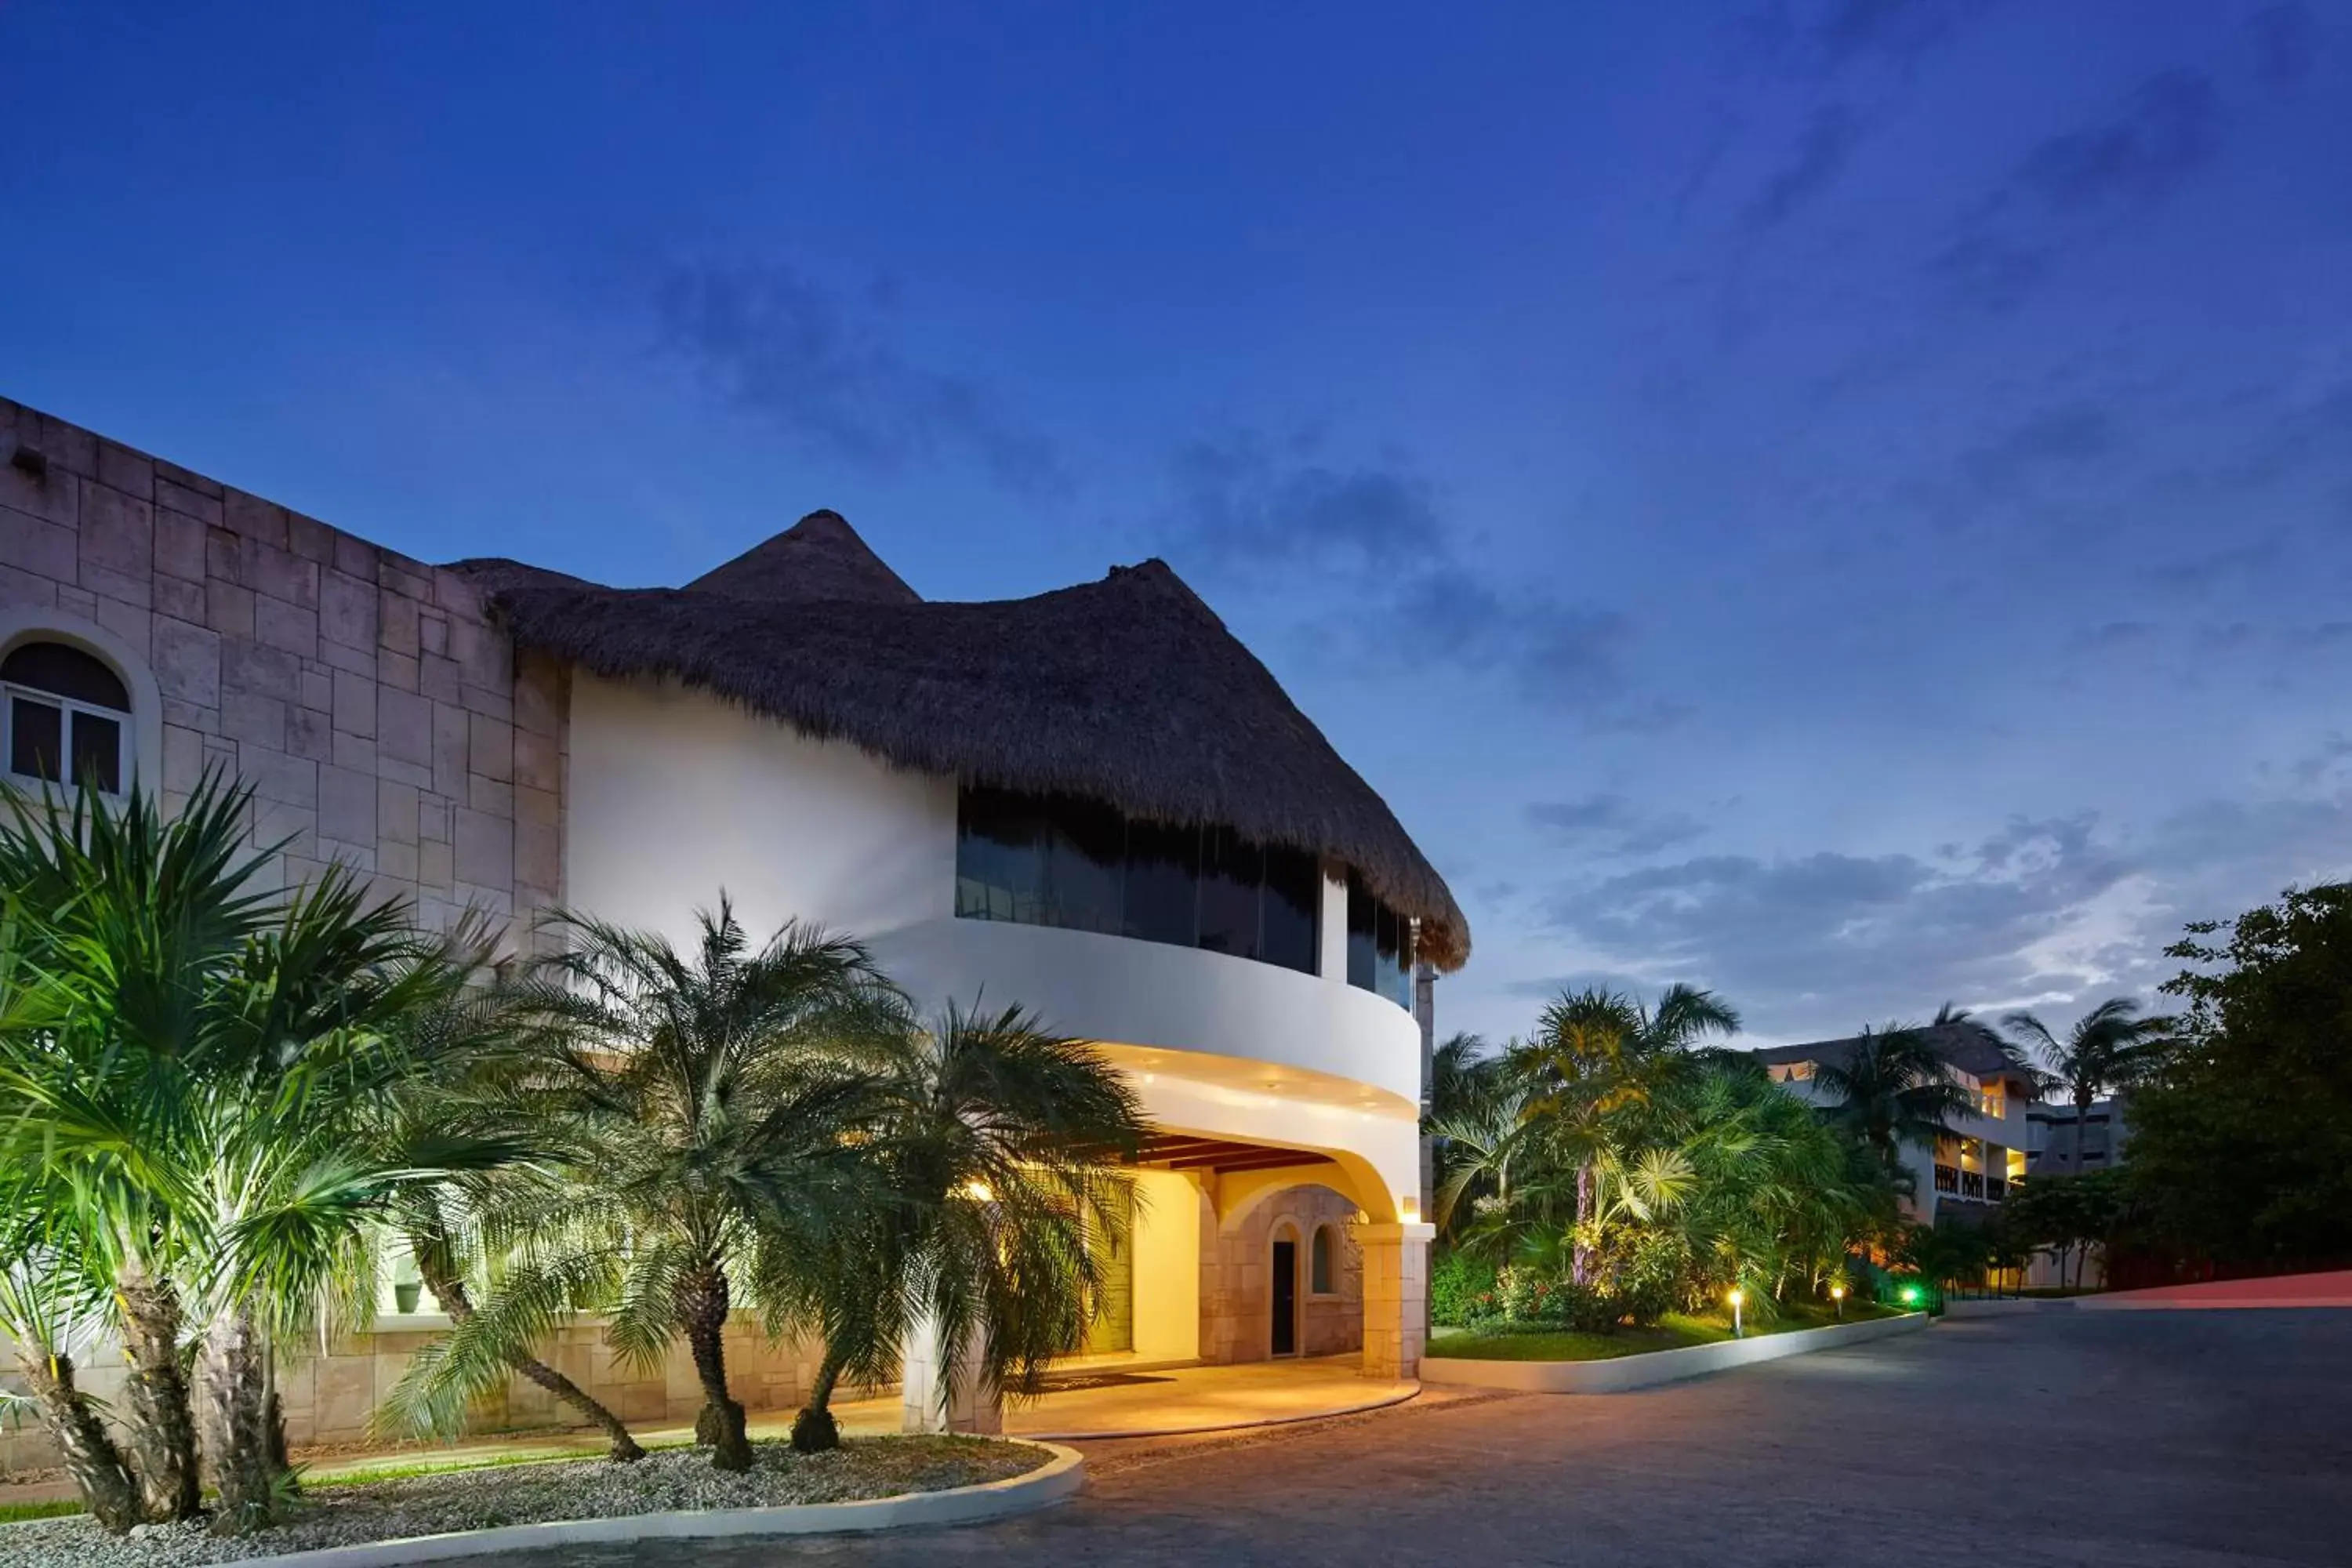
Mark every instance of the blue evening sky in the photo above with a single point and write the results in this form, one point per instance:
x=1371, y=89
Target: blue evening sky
x=1848, y=502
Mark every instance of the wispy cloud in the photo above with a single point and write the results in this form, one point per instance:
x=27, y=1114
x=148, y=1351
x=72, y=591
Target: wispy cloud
x=2137, y=153
x=819, y=367
x=1615, y=824
x=1823, y=149
x=1377, y=528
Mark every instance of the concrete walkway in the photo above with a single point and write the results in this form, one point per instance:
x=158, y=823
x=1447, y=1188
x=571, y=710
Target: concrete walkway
x=1165, y=1401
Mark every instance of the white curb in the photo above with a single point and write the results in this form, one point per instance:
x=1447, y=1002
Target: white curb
x=1057, y=1481
x=1650, y=1368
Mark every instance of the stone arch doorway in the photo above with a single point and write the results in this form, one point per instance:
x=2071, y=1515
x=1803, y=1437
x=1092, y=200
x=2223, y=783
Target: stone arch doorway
x=1259, y=1275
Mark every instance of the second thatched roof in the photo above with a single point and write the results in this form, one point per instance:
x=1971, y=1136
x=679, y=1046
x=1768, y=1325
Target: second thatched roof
x=1127, y=690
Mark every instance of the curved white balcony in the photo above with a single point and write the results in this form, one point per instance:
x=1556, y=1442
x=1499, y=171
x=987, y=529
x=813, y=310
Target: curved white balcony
x=1159, y=997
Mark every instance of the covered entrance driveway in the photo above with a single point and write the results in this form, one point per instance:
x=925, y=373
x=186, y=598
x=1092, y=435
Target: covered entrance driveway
x=1119, y=1397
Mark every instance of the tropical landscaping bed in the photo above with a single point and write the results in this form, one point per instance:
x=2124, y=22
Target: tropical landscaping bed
x=1674, y=1331
x=487, y=1498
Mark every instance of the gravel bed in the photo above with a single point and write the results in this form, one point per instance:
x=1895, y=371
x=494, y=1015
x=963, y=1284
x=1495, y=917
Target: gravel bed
x=530, y=1494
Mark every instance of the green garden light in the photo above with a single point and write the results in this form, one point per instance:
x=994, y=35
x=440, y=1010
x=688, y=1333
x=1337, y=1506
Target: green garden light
x=1910, y=1295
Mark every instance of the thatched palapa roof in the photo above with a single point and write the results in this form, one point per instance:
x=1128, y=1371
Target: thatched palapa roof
x=1127, y=690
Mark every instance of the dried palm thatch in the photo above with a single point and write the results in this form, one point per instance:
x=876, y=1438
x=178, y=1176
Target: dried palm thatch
x=1128, y=690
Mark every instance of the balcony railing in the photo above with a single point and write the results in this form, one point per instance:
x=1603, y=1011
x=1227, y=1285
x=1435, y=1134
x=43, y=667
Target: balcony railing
x=1973, y=1184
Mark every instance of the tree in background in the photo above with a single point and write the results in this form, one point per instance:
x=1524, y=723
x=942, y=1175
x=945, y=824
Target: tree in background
x=2110, y=1048
x=1594, y=1054
x=1891, y=1092
x=2242, y=1136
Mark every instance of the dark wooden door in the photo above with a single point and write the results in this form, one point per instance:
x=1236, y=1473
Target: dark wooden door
x=1285, y=1297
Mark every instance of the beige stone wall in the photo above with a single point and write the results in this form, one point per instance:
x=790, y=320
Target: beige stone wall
x=380, y=719
x=1236, y=1264
x=329, y=1398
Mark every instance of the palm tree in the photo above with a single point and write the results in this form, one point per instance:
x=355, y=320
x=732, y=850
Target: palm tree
x=1891, y=1090
x=2109, y=1047
x=135, y=919
x=1594, y=1054
x=1001, y=1144
x=1463, y=1077
x=491, y=1092
x=717, y=1105
x=1480, y=1148
x=210, y=1101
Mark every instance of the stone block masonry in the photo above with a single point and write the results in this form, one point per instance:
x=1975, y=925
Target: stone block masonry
x=382, y=720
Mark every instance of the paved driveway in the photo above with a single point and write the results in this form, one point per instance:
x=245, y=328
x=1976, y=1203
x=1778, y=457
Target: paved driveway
x=2157, y=1440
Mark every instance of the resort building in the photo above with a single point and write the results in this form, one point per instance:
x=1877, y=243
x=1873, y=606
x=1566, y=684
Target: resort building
x=1981, y=1154
x=2055, y=1145
x=1095, y=803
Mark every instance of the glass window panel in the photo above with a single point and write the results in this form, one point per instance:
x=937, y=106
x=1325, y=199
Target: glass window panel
x=1000, y=857
x=1085, y=866
x=98, y=752
x=1392, y=945
x=35, y=739
x=67, y=672
x=1362, y=919
x=1287, y=910
x=1318, y=1263
x=1232, y=871
x=1163, y=882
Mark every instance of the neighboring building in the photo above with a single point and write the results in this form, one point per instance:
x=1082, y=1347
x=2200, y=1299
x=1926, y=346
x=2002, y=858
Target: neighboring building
x=1094, y=801
x=1972, y=1166
x=2052, y=1147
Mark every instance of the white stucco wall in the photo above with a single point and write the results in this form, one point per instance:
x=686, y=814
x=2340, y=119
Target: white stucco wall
x=674, y=794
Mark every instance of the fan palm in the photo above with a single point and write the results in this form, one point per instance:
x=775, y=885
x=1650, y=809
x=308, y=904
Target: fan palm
x=1001, y=1144
x=1891, y=1091
x=716, y=1106
x=2109, y=1047
x=1596, y=1053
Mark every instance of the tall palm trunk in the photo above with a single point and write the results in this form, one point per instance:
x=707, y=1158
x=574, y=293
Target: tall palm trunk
x=1580, y=1258
x=702, y=1302
x=449, y=1289
x=91, y=1458
x=162, y=1427
x=237, y=1398
x=815, y=1429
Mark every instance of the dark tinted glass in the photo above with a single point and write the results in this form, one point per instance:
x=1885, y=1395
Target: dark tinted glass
x=1163, y=882
x=35, y=739
x=1086, y=865
x=1286, y=911
x=98, y=752
x=67, y=672
x=1363, y=917
x=1392, y=956
x=1000, y=857
x=1232, y=870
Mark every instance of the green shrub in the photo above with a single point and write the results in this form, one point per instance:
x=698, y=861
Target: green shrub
x=1532, y=1297
x=1456, y=1284
x=1651, y=1279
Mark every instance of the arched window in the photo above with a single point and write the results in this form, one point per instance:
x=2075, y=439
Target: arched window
x=68, y=717
x=1319, y=1272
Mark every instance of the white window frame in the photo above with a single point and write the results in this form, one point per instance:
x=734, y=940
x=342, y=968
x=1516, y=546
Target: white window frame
x=124, y=725
x=143, y=725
